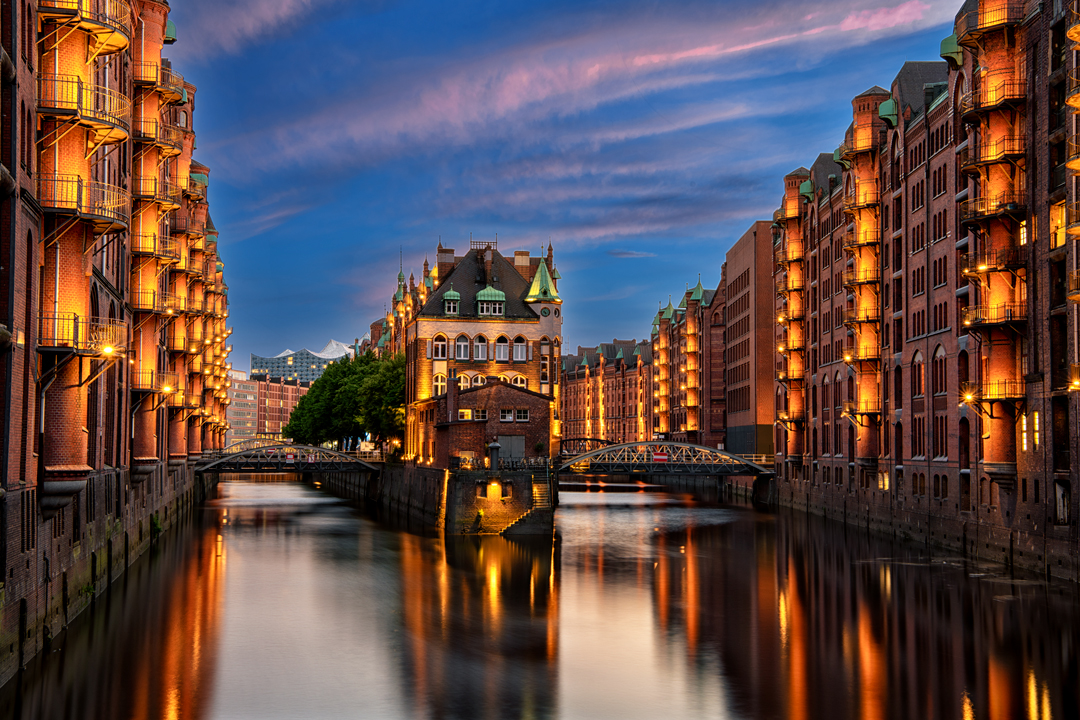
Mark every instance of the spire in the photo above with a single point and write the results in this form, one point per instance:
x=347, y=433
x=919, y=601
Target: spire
x=543, y=287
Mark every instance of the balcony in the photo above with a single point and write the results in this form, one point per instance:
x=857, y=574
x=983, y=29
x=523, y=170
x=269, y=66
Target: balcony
x=993, y=315
x=168, y=83
x=155, y=245
x=786, y=256
x=145, y=301
x=791, y=345
x=195, y=190
x=1072, y=287
x=863, y=141
x=783, y=317
x=862, y=276
x=1008, y=204
x=991, y=391
x=854, y=353
x=861, y=407
x=193, y=401
x=861, y=315
x=93, y=336
x=168, y=139
x=106, y=206
x=787, y=212
x=175, y=342
x=787, y=284
x=864, y=237
x=185, y=224
x=173, y=304
x=163, y=192
x=1002, y=149
x=176, y=398
x=864, y=195
x=790, y=379
x=789, y=418
x=998, y=90
x=1072, y=23
x=195, y=364
x=988, y=261
x=993, y=16
x=1072, y=89
x=107, y=22
x=105, y=111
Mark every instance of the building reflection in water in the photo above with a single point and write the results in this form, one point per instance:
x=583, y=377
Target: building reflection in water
x=147, y=650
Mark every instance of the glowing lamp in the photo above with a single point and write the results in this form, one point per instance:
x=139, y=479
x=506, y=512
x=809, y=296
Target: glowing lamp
x=166, y=389
x=108, y=350
x=969, y=397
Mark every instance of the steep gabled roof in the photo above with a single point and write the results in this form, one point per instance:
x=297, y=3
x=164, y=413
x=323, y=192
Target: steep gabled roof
x=469, y=280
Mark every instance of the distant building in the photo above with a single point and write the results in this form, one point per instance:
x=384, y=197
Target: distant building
x=275, y=399
x=242, y=409
x=607, y=392
x=303, y=365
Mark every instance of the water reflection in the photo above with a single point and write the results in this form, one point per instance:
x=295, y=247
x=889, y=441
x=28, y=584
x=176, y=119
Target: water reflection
x=287, y=603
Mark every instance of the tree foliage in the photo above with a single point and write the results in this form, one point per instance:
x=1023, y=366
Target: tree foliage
x=365, y=395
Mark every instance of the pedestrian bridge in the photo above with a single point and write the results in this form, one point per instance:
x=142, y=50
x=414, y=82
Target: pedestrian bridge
x=661, y=458
x=256, y=457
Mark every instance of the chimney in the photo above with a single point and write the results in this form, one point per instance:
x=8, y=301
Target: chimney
x=452, y=397
x=487, y=265
x=444, y=261
x=521, y=263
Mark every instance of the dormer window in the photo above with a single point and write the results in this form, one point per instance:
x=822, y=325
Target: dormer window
x=487, y=307
x=489, y=302
x=451, y=307
x=451, y=299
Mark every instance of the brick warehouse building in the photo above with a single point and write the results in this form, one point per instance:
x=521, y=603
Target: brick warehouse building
x=607, y=392
x=926, y=284
x=473, y=320
x=114, y=296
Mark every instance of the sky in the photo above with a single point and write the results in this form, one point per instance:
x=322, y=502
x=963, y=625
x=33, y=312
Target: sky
x=641, y=139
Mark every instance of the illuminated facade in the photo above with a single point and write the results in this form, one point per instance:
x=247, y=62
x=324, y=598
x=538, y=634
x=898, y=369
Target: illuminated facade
x=924, y=277
x=114, y=375
x=607, y=392
x=473, y=319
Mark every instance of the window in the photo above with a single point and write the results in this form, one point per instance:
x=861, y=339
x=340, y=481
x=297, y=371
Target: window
x=480, y=414
x=506, y=415
x=464, y=414
x=439, y=384
x=519, y=349
x=480, y=348
x=461, y=348
x=502, y=350
x=439, y=347
x=521, y=381
x=463, y=381
x=479, y=380
x=486, y=307
x=522, y=415
x=451, y=307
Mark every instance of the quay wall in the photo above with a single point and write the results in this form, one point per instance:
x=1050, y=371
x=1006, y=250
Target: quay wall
x=72, y=558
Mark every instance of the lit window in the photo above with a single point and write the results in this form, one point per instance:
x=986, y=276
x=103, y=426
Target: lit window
x=439, y=348
x=506, y=415
x=480, y=348
x=464, y=414
x=439, y=384
x=461, y=348
x=519, y=349
x=1035, y=428
x=521, y=381
x=463, y=381
x=479, y=380
x=522, y=415
x=502, y=350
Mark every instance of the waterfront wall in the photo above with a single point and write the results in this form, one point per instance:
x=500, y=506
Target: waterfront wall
x=457, y=503
x=63, y=569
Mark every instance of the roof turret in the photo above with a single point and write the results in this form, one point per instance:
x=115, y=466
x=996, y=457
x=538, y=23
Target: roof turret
x=543, y=287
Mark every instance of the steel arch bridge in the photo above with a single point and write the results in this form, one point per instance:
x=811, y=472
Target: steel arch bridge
x=284, y=458
x=568, y=447
x=249, y=444
x=662, y=458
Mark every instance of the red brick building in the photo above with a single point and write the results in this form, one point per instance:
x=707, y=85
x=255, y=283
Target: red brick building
x=275, y=399
x=607, y=392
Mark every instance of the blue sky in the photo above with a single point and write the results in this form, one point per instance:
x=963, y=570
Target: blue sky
x=642, y=138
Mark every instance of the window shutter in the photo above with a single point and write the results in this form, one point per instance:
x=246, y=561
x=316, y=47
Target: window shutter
x=530, y=351
x=428, y=349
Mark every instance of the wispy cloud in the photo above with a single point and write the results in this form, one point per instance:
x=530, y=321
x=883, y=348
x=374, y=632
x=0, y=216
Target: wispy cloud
x=630, y=254
x=227, y=26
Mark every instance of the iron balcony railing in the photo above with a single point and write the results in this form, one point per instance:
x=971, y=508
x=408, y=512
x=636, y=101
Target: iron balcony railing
x=94, y=105
x=994, y=91
x=862, y=195
x=175, y=342
x=1072, y=89
x=993, y=151
x=790, y=254
x=861, y=276
x=861, y=315
x=172, y=304
x=854, y=353
x=153, y=244
x=790, y=345
x=107, y=205
x=89, y=335
x=109, y=21
x=783, y=317
x=143, y=380
x=1072, y=25
x=144, y=301
x=790, y=417
x=195, y=364
x=863, y=141
x=999, y=314
x=990, y=16
x=864, y=237
x=987, y=261
x=868, y=406
x=790, y=283
x=185, y=224
x=157, y=189
x=985, y=207
x=169, y=139
x=971, y=392
x=167, y=81
x=195, y=190
x=1073, y=286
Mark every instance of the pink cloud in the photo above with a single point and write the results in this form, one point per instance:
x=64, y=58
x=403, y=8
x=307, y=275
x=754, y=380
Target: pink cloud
x=885, y=18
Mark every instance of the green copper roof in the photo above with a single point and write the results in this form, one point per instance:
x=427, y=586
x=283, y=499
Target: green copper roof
x=669, y=311
x=170, y=32
x=806, y=189
x=199, y=178
x=220, y=266
x=887, y=112
x=401, y=276
x=490, y=294
x=618, y=355
x=951, y=52
x=585, y=360
x=699, y=292
x=555, y=273
x=543, y=287
x=682, y=303
x=637, y=349
x=451, y=294
x=428, y=283
x=398, y=297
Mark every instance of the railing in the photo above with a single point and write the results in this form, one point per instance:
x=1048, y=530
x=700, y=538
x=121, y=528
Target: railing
x=149, y=130
x=91, y=199
x=861, y=276
x=788, y=417
x=995, y=15
x=167, y=81
x=176, y=343
x=993, y=151
x=1072, y=286
x=154, y=244
x=789, y=255
x=999, y=314
x=983, y=207
x=992, y=390
x=789, y=284
x=172, y=304
x=857, y=315
x=192, y=400
x=196, y=190
x=113, y=15
x=143, y=381
x=995, y=90
x=162, y=191
x=1072, y=22
x=861, y=353
x=986, y=261
x=99, y=336
x=791, y=345
x=789, y=378
x=785, y=213
x=94, y=104
x=195, y=364
x=184, y=224
x=862, y=195
x=862, y=142
x=171, y=81
x=863, y=238
x=870, y=406
x=144, y=300
x=785, y=316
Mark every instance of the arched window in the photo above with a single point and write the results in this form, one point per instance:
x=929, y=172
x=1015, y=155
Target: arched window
x=521, y=381
x=438, y=346
x=438, y=384
x=461, y=348
x=519, y=349
x=937, y=369
x=479, y=380
x=502, y=349
x=917, y=386
x=898, y=390
x=480, y=348
x=837, y=390
x=464, y=381
x=181, y=118
x=503, y=378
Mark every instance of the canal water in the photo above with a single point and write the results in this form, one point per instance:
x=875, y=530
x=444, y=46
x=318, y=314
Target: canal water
x=278, y=601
